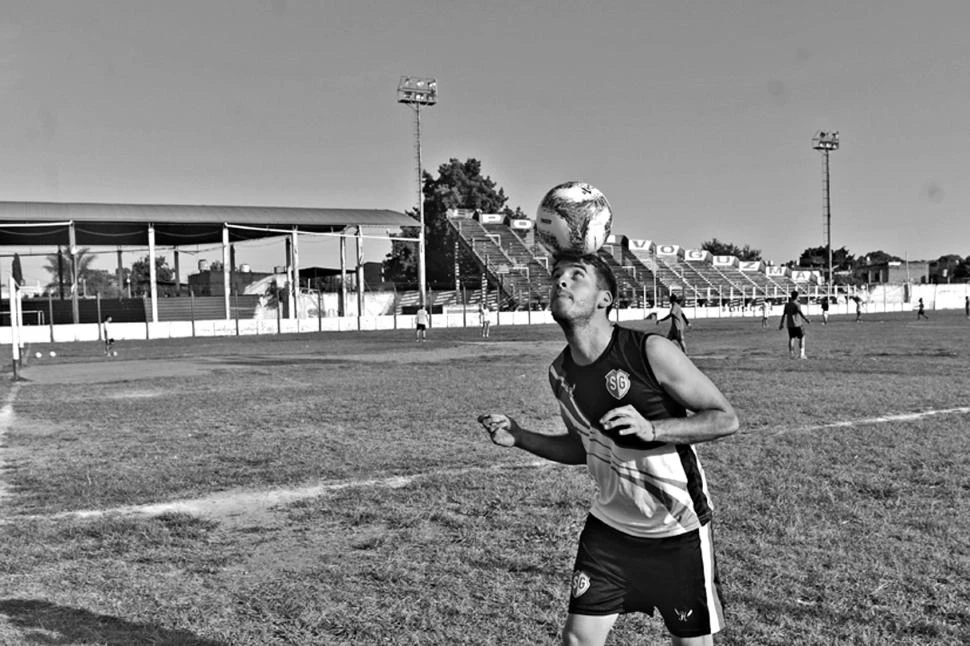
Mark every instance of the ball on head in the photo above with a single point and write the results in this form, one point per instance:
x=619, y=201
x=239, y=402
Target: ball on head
x=574, y=216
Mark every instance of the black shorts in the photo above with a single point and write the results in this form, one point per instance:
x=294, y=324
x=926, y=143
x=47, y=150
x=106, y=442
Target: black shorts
x=619, y=573
x=422, y=326
x=796, y=332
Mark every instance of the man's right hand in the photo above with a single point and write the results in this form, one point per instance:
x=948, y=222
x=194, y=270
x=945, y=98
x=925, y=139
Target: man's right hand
x=499, y=428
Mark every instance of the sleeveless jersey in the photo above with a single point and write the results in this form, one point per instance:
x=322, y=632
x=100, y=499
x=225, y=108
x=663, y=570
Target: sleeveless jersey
x=646, y=489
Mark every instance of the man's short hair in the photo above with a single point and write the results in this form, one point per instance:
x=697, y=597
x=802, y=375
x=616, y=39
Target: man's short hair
x=794, y=294
x=604, y=274
x=674, y=298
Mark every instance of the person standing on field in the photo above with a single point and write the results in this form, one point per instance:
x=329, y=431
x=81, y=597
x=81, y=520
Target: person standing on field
x=795, y=330
x=678, y=323
x=485, y=314
x=633, y=405
x=422, y=321
x=108, y=339
x=825, y=310
x=764, y=314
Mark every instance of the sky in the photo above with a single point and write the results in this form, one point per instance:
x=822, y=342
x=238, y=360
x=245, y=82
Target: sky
x=694, y=118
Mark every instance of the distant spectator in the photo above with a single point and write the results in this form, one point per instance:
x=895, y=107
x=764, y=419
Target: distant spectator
x=921, y=311
x=825, y=310
x=764, y=314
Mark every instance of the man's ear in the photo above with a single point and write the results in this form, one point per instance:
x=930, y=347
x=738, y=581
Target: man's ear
x=605, y=299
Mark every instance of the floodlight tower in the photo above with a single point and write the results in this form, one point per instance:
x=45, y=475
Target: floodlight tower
x=416, y=92
x=826, y=142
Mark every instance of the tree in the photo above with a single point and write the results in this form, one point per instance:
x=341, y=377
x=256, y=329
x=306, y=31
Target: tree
x=164, y=277
x=459, y=185
x=61, y=271
x=877, y=258
x=818, y=258
x=720, y=248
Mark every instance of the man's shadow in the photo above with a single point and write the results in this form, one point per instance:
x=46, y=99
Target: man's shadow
x=43, y=622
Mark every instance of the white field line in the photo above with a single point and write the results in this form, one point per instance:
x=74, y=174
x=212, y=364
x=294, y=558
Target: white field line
x=902, y=417
x=6, y=422
x=239, y=502
x=230, y=503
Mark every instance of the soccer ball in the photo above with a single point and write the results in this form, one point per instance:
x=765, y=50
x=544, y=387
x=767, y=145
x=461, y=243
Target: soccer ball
x=38, y=355
x=114, y=353
x=574, y=216
x=53, y=354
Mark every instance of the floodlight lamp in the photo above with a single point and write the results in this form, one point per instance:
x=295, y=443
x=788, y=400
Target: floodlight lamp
x=826, y=140
x=417, y=90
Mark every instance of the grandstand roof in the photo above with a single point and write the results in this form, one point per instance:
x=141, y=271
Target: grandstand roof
x=175, y=225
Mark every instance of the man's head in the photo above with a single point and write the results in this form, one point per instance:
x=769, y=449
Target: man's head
x=581, y=285
x=674, y=299
x=794, y=295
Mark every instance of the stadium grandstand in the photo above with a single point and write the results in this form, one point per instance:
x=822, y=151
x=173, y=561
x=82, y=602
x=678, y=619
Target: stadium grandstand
x=511, y=258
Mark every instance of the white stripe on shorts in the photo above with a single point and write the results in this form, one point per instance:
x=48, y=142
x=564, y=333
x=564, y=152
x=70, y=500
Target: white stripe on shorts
x=714, y=610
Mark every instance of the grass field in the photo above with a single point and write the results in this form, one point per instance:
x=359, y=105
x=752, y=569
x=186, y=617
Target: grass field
x=335, y=489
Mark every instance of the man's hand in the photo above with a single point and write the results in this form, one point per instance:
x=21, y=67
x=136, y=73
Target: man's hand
x=627, y=420
x=499, y=428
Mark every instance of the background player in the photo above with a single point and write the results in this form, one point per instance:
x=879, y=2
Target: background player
x=485, y=314
x=678, y=323
x=624, y=396
x=795, y=330
x=422, y=321
x=108, y=339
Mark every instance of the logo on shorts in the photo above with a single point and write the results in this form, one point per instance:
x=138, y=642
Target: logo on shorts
x=580, y=583
x=617, y=383
x=683, y=615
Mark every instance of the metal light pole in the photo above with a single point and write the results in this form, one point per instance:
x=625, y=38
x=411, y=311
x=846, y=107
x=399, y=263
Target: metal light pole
x=416, y=92
x=825, y=142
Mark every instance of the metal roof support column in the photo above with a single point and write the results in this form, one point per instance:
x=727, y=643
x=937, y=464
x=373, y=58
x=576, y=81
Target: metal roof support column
x=72, y=241
x=152, y=273
x=342, y=308
x=178, y=273
x=295, y=286
x=360, y=274
x=121, y=277
x=225, y=269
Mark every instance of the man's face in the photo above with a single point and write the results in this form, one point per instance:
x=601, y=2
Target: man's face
x=575, y=293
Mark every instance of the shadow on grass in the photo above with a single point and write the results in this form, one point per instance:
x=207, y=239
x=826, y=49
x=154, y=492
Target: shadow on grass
x=43, y=622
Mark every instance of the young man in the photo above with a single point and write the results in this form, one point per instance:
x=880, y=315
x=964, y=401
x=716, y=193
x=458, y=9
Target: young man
x=108, y=339
x=764, y=314
x=678, y=323
x=422, y=321
x=485, y=314
x=795, y=330
x=624, y=396
x=825, y=310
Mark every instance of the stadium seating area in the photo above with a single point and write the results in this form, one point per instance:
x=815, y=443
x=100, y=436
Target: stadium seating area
x=517, y=269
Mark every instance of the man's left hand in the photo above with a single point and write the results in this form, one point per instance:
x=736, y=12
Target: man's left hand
x=627, y=420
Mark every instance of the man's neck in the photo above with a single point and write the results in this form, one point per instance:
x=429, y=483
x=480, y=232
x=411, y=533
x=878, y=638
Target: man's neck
x=588, y=339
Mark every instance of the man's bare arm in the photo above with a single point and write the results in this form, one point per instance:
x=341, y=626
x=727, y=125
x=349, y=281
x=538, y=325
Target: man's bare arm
x=713, y=416
x=566, y=448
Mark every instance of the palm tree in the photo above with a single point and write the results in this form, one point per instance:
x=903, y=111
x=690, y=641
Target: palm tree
x=62, y=271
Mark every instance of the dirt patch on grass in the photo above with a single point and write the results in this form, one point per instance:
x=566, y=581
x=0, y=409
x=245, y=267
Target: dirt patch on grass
x=108, y=371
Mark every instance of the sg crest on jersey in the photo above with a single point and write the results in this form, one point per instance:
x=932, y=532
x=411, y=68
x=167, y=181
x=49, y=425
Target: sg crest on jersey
x=617, y=383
